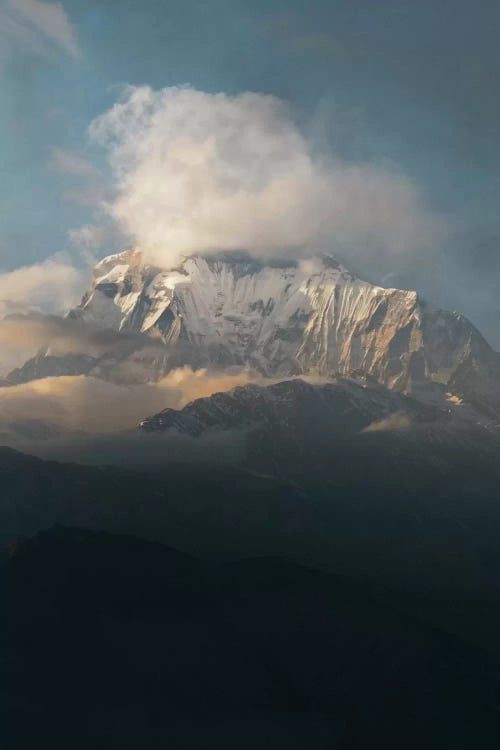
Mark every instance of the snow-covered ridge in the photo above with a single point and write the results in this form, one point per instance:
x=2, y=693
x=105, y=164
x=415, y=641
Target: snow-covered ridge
x=309, y=317
x=302, y=317
x=306, y=317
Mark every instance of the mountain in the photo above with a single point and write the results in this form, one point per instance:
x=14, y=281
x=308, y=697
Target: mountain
x=190, y=506
x=310, y=317
x=297, y=407
x=347, y=476
x=373, y=465
x=311, y=433
x=109, y=636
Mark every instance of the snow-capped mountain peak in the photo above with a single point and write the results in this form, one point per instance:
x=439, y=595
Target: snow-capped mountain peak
x=228, y=309
x=310, y=317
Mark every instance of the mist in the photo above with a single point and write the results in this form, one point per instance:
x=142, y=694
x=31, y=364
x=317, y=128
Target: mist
x=89, y=404
x=393, y=423
x=86, y=420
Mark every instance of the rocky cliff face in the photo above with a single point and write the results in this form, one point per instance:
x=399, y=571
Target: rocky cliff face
x=309, y=317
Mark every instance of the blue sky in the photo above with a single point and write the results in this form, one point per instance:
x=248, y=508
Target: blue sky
x=405, y=86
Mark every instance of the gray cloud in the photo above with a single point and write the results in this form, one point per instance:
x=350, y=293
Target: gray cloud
x=32, y=332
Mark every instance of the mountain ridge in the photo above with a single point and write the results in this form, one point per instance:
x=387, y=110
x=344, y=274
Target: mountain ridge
x=309, y=317
x=362, y=404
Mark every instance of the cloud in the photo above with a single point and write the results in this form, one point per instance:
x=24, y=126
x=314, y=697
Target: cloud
x=88, y=196
x=63, y=335
x=16, y=36
x=33, y=27
x=194, y=384
x=199, y=172
x=94, y=405
x=90, y=190
x=83, y=403
x=23, y=335
x=51, y=286
x=89, y=236
x=51, y=20
x=71, y=163
x=88, y=420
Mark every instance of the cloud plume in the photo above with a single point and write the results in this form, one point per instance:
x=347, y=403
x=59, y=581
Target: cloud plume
x=200, y=172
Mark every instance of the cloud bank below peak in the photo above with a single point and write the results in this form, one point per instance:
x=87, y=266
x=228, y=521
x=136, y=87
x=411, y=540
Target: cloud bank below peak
x=196, y=172
x=50, y=286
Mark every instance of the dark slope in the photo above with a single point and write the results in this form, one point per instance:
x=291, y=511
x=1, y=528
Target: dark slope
x=294, y=405
x=393, y=487
x=417, y=506
x=214, y=510
x=135, y=645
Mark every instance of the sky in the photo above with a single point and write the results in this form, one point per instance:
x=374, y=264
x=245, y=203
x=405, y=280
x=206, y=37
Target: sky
x=386, y=110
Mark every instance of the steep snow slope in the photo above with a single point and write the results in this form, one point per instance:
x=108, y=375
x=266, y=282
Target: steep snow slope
x=307, y=317
x=310, y=317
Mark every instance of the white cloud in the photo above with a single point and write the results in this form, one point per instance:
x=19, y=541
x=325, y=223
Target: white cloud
x=197, y=172
x=32, y=26
x=51, y=286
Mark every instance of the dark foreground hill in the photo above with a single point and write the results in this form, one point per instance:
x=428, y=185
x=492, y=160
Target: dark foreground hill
x=116, y=641
x=379, y=518
x=347, y=477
